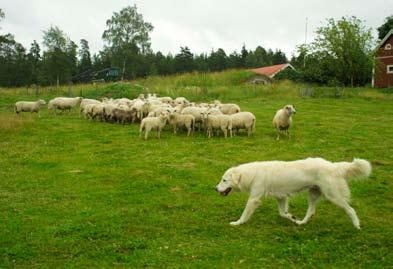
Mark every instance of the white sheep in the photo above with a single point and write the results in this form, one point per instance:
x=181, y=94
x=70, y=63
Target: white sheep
x=64, y=103
x=229, y=109
x=283, y=120
x=197, y=112
x=86, y=102
x=179, y=120
x=243, y=120
x=217, y=122
x=181, y=100
x=153, y=123
x=26, y=106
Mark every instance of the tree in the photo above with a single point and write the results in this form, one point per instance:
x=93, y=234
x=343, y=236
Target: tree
x=184, y=60
x=385, y=27
x=344, y=48
x=59, y=58
x=84, y=56
x=34, y=58
x=217, y=60
x=127, y=35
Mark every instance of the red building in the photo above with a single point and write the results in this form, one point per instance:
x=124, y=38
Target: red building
x=383, y=70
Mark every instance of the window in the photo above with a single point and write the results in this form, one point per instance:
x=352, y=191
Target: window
x=389, y=69
x=388, y=47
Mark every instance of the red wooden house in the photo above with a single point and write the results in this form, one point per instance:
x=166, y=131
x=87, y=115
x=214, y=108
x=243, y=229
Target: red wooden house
x=383, y=70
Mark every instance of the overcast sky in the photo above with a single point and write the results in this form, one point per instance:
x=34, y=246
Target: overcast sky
x=201, y=25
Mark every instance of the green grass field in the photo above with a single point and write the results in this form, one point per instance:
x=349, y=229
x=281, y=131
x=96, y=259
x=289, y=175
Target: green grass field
x=81, y=194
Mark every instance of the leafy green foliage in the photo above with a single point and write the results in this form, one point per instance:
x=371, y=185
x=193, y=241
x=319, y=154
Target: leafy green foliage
x=384, y=29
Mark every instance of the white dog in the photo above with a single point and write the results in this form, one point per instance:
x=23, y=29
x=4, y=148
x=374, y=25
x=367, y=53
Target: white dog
x=281, y=179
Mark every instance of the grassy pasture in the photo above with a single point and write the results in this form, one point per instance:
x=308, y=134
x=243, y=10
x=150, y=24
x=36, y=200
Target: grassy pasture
x=80, y=194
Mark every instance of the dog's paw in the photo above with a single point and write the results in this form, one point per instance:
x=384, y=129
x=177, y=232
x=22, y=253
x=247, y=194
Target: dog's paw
x=299, y=222
x=235, y=223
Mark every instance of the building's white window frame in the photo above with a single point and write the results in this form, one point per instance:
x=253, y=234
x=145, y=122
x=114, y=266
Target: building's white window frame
x=388, y=46
x=389, y=69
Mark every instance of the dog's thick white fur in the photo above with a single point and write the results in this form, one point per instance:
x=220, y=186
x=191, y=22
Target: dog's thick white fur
x=280, y=179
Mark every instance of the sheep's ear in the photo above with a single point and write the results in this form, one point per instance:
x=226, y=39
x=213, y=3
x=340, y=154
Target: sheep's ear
x=236, y=177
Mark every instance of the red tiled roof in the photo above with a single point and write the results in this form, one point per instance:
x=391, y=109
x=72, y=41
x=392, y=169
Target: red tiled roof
x=270, y=71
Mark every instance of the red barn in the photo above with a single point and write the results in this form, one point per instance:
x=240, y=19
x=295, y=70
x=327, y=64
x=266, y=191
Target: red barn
x=383, y=71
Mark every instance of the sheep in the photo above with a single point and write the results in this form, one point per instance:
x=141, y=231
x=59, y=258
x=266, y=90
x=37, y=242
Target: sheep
x=196, y=112
x=96, y=111
x=123, y=114
x=157, y=111
x=86, y=102
x=63, y=103
x=179, y=120
x=223, y=122
x=153, y=123
x=181, y=100
x=243, y=120
x=229, y=109
x=283, y=120
x=166, y=100
x=25, y=106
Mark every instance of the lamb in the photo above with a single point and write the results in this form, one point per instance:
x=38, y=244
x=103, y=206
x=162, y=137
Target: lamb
x=283, y=120
x=25, y=106
x=64, y=103
x=229, y=109
x=179, y=120
x=153, y=123
x=243, y=120
x=223, y=122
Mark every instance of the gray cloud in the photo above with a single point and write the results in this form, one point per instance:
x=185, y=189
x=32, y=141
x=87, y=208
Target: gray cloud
x=201, y=25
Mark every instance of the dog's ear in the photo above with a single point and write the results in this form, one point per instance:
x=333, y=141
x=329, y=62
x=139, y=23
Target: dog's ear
x=236, y=177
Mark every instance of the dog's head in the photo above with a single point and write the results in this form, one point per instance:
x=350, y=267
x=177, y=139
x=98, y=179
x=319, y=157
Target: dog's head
x=230, y=180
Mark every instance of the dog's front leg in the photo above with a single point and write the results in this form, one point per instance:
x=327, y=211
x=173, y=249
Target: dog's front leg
x=252, y=204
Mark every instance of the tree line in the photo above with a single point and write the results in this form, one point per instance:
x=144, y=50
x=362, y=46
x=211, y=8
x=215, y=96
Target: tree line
x=341, y=54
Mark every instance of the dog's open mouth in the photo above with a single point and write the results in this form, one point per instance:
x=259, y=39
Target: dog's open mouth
x=225, y=193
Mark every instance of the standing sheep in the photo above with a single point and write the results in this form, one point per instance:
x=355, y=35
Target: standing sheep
x=153, y=123
x=243, y=120
x=283, y=120
x=179, y=120
x=64, y=103
x=25, y=106
x=220, y=122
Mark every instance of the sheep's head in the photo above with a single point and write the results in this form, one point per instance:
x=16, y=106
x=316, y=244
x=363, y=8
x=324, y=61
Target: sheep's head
x=290, y=109
x=41, y=102
x=205, y=114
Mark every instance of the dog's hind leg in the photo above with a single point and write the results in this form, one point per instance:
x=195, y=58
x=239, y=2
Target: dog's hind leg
x=313, y=197
x=283, y=209
x=252, y=204
x=336, y=199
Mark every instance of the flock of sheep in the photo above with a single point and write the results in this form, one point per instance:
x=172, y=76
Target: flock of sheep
x=154, y=113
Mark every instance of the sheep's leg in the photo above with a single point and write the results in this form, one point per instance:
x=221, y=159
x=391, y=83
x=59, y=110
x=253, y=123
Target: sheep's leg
x=147, y=130
x=158, y=133
x=230, y=132
x=278, y=135
x=188, y=130
x=225, y=131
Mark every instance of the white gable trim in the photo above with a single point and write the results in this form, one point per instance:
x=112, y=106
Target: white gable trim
x=385, y=38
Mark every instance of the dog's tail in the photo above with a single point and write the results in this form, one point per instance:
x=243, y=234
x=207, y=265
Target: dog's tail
x=357, y=169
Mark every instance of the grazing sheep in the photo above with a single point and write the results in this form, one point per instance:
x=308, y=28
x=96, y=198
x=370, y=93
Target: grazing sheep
x=243, y=120
x=219, y=122
x=179, y=120
x=283, y=120
x=122, y=114
x=229, y=109
x=64, y=103
x=153, y=123
x=25, y=106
